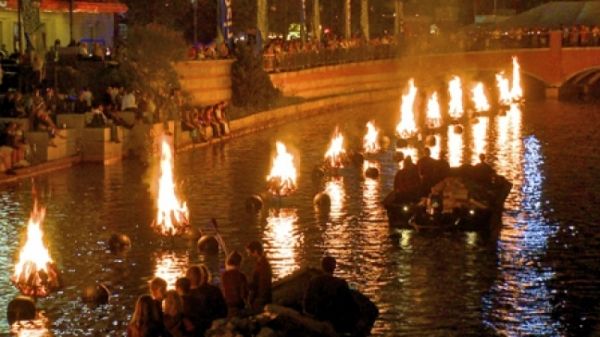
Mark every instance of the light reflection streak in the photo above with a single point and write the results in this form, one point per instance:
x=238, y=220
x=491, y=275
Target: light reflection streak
x=437, y=148
x=504, y=166
x=372, y=193
x=480, y=130
x=170, y=266
x=520, y=300
x=33, y=328
x=283, y=241
x=455, y=148
x=335, y=189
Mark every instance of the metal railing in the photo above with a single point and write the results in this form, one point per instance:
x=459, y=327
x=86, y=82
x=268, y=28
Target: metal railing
x=303, y=60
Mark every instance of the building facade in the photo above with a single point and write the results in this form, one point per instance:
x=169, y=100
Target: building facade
x=91, y=20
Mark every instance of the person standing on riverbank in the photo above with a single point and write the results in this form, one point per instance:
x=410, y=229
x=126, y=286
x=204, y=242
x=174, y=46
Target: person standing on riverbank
x=261, y=280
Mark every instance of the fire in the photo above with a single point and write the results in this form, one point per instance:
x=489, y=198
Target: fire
x=434, y=116
x=282, y=179
x=35, y=274
x=456, y=95
x=479, y=99
x=172, y=216
x=516, y=92
x=370, y=143
x=335, y=152
x=407, y=127
x=504, y=89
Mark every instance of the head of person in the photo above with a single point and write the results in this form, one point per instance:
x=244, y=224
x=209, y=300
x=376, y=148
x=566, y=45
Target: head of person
x=205, y=276
x=158, y=288
x=482, y=157
x=183, y=286
x=234, y=260
x=408, y=161
x=145, y=311
x=328, y=264
x=173, y=305
x=426, y=152
x=193, y=274
x=255, y=249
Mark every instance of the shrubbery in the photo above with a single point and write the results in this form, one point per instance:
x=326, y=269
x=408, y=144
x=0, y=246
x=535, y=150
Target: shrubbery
x=251, y=85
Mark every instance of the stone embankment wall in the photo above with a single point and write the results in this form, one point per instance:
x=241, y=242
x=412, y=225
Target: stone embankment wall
x=339, y=79
x=207, y=82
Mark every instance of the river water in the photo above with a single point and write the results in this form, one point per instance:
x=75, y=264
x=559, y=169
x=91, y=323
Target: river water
x=536, y=277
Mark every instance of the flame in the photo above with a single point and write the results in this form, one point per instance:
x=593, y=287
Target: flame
x=282, y=179
x=370, y=143
x=336, y=151
x=407, y=127
x=172, y=216
x=434, y=116
x=456, y=94
x=35, y=273
x=516, y=92
x=504, y=89
x=479, y=99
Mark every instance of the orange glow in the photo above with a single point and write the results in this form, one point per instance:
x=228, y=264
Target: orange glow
x=479, y=98
x=35, y=273
x=407, y=127
x=480, y=130
x=335, y=152
x=283, y=242
x=456, y=96
x=170, y=266
x=516, y=92
x=455, y=148
x=437, y=148
x=434, y=115
x=370, y=141
x=172, y=216
x=503, y=89
x=282, y=179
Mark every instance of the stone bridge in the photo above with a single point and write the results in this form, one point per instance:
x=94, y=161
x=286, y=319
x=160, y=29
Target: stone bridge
x=554, y=66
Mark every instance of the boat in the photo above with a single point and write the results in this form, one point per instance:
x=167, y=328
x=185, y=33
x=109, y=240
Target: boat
x=458, y=202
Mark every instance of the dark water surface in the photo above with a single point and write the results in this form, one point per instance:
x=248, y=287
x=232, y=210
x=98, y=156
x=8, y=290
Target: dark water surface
x=536, y=277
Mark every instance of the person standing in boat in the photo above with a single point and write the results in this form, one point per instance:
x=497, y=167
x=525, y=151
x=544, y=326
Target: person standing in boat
x=328, y=298
x=261, y=280
x=426, y=166
x=483, y=172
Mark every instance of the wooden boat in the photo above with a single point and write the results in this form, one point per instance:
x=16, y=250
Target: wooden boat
x=473, y=207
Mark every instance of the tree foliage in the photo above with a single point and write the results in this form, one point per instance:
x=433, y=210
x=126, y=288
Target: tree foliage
x=251, y=85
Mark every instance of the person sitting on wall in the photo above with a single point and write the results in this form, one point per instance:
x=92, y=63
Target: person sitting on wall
x=220, y=120
x=209, y=121
x=128, y=101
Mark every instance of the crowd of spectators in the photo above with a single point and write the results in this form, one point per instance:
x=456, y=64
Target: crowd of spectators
x=190, y=309
x=206, y=122
x=211, y=51
x=280, y=54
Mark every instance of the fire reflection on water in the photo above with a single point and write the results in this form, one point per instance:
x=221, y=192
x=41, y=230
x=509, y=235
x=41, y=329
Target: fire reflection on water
x=170, y=266
x=479, y=132
x=455, y=147
x=283, y=241
x=335, y=189
x=34, y=328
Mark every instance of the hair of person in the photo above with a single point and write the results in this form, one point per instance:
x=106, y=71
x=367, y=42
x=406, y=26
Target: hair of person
x=328, y=264
x=234, y=259
x=255, y=247
x=173, y=303
x=158, y=283
x=193, y=274
x=184, y=284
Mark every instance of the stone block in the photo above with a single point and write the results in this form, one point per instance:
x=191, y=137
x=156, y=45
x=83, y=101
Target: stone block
x=72, y=121
x=24, y=122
